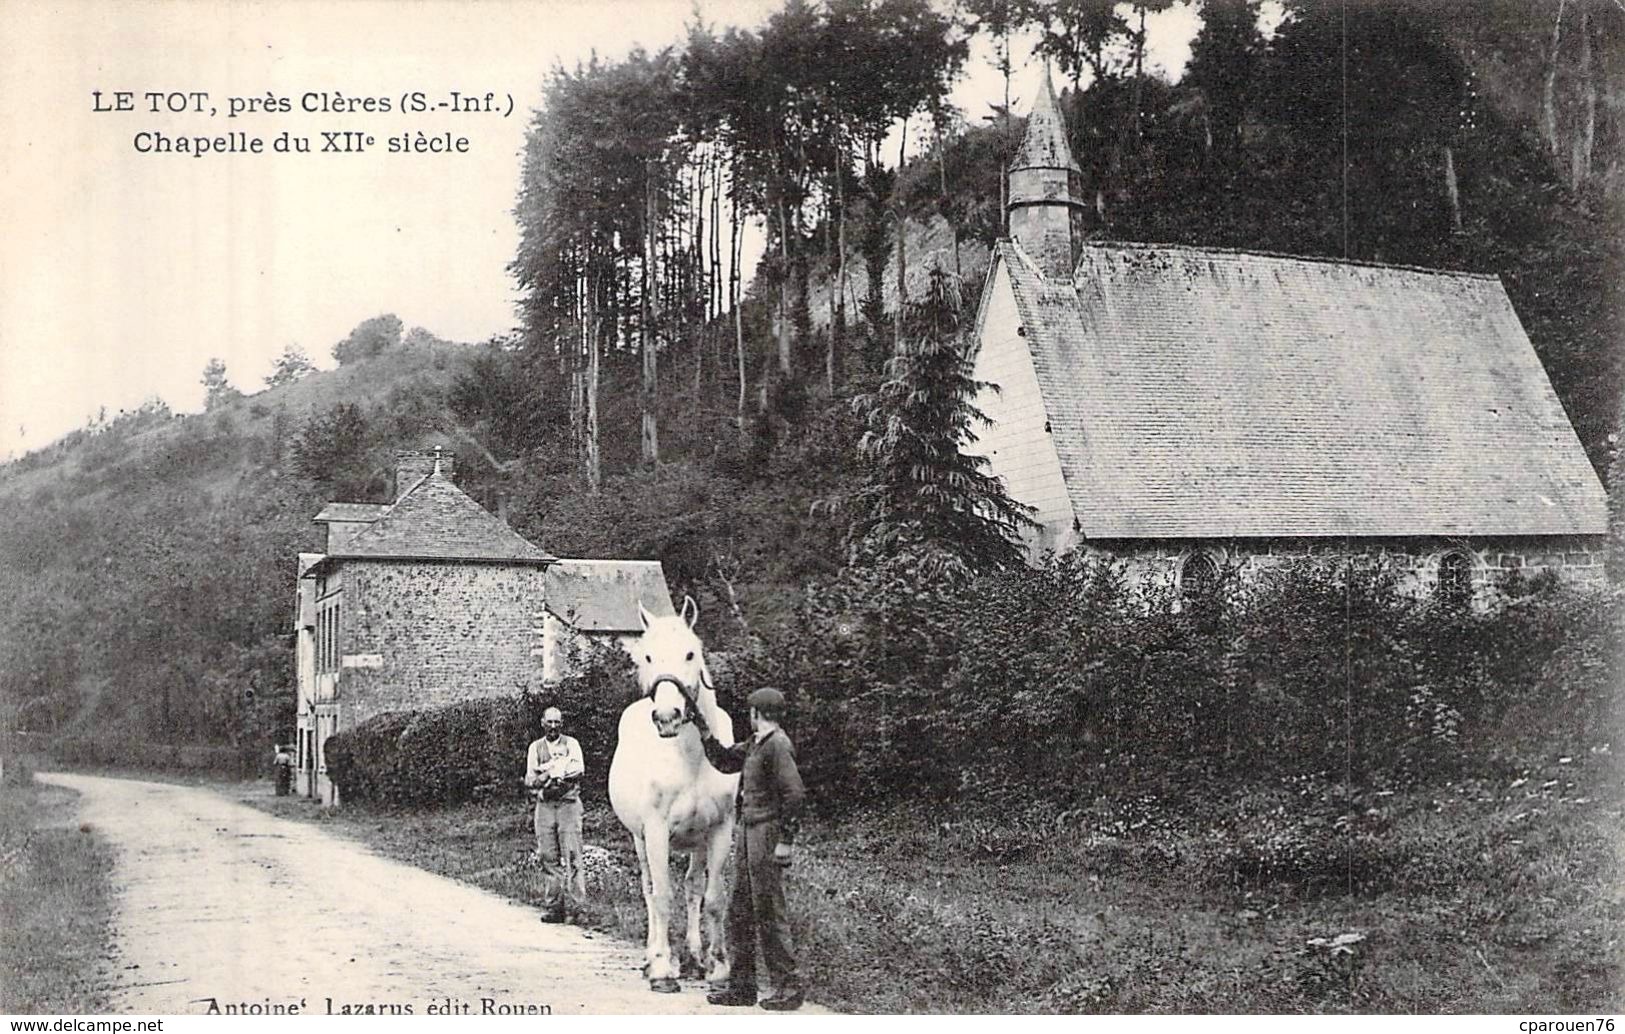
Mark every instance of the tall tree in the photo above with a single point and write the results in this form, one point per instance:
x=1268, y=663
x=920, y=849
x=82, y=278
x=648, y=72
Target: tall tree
x=292, y=365
x=1078, y=35
x=925, y=494
x=217, y=390
x=1224, y=65
x=1000, y=18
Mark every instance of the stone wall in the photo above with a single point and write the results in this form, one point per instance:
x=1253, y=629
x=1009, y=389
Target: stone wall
x=1155, y=566
x=420, y=634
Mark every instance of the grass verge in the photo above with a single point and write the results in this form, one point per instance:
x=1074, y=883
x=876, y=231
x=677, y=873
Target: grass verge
x=1477, y=896
x=55, y=902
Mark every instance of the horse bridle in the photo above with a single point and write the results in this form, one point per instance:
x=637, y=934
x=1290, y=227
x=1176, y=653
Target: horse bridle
x=691, y=702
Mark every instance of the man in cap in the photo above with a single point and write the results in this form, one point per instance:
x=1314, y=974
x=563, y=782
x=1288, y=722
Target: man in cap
x=767, y=813
x=553, y=771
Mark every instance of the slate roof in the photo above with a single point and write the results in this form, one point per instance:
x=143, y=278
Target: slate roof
x=1205, y=393
x=363, y=512
x=603, y=595
x=1044, y=145
x=434, y=520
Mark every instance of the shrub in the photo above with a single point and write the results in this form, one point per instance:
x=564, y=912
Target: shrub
x=1059, y=684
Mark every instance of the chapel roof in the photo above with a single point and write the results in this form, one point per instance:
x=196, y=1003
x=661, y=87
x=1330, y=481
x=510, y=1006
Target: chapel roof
x=1199, y=392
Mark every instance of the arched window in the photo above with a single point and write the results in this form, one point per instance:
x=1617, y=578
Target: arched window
x=1198, y=581
x=1455, y=587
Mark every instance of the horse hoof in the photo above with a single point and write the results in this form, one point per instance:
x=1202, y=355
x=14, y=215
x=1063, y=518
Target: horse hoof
x=691, y=970
x=665, y=985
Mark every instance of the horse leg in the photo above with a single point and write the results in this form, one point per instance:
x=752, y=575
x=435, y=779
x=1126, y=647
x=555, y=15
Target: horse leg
x=694, y=884
x=657, y=846
x=716, y=901
x=646, y=881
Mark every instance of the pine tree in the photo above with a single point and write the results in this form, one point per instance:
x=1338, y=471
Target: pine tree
x=292, y=365
x=217, y=390
x=926, y=497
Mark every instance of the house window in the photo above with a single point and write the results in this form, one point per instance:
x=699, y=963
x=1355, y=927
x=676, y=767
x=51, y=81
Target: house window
x=333, y=638
x=1198, y=581
x=327, y=639
x=1455, y=587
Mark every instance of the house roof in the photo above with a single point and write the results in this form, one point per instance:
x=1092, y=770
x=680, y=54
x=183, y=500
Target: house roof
x=1201, y=393
x=434, y=520
x=363, y=512
x=603, y=595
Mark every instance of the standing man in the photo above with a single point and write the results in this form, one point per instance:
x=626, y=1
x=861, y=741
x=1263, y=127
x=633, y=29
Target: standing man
x=553, y=770
x=767, y=815
x=283, y=761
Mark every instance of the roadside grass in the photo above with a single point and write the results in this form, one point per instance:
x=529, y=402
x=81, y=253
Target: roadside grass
x=55, y=902
x=1466, y=900
x=1489, y=895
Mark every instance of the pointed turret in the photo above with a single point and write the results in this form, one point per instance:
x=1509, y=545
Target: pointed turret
x=1047, y=210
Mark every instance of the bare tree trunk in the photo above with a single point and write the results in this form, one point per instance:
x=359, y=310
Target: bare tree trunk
x=1450, y=188
x=837, y=335
x=784, y=289
x=726, y=571
x=695, y=256
x=577, y=353
x=1004, y=139
x=735, y=246
x=650, y=438
x=902, y=245
x=594, y=347
x=834, y=286
x=942, y=185
x=714, y=284
x=1548, y=107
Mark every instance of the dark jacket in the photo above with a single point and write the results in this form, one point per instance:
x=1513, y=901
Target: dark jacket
x=769, y=784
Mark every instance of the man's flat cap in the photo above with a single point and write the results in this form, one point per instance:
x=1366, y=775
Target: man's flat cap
x=766, y=699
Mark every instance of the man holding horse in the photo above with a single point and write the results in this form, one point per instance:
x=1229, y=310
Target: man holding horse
x=768, y=813
x=553, y=770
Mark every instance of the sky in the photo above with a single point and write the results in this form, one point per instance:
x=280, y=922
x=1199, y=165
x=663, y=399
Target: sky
x=122, y=273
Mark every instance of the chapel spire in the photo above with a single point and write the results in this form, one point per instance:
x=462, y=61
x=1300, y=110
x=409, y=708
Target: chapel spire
x=1047, y=210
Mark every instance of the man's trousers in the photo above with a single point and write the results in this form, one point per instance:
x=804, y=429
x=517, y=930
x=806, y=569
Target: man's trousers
x=558, y=849
x=757, y=906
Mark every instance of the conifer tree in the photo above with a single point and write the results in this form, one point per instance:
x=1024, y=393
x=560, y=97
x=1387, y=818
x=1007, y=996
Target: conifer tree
x=926, y=496
x=217, y=390
x=292, y=365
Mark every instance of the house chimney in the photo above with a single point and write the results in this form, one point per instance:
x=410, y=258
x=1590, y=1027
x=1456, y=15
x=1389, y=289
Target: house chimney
x=413, y=466
x=1047, y=211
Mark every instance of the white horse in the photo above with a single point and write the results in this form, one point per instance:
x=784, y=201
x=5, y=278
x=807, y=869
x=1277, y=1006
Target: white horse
x=670, y=798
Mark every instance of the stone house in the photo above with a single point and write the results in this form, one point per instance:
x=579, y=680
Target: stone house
x=430, y=600
x=1184, y=409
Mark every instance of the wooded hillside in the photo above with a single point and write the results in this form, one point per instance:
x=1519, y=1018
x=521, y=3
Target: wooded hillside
x=653, y=404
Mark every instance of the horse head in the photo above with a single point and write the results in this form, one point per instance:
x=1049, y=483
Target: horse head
x=671, y=666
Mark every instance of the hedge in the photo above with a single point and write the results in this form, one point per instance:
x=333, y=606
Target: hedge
x=1058, y=684
x=476, y=748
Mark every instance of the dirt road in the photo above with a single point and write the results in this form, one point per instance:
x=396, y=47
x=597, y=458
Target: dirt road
x=222, y=904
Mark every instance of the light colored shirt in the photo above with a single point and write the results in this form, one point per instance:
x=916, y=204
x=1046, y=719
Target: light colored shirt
x=556, y=760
